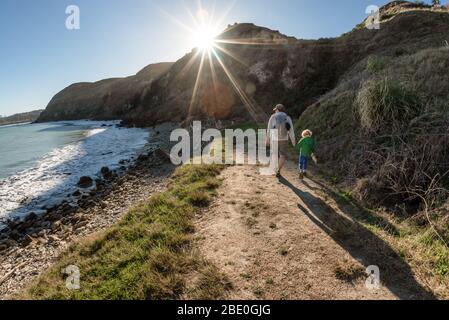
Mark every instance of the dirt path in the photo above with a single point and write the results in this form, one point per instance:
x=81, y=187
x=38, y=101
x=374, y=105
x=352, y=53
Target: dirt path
x=286, y=239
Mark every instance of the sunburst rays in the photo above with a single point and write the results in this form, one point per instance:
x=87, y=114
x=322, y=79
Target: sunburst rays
x=250, y=105
x=209, y=47
x=197, y=84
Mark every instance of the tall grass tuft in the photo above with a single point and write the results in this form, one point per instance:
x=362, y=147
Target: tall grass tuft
x=386, y=103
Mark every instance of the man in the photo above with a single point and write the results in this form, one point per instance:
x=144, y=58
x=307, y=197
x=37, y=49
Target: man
x=280, y=130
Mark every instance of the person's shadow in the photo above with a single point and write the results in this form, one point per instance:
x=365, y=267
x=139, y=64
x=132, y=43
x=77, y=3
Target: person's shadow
x=363, y=245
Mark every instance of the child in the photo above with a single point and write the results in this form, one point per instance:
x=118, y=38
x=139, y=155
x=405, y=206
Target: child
x=306, y=149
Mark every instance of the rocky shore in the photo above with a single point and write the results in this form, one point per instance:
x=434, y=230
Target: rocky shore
x=29, y=246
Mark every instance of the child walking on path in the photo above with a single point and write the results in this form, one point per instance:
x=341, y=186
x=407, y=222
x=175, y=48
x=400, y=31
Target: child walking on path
x=306, y=148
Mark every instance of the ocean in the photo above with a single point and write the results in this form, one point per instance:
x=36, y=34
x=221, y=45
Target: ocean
x=41, y=164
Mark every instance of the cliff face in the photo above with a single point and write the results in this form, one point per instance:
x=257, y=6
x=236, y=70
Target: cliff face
x=20, y=118
x=256, y=68
x=267, y=68
x=103, y=100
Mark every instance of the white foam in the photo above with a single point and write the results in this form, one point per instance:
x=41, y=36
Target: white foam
x=55, y=176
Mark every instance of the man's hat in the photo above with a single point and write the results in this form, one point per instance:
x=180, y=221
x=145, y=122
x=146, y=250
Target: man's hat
x=279, y=107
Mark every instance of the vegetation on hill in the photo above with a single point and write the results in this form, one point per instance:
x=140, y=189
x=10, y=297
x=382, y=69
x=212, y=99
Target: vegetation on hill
x=383, y=134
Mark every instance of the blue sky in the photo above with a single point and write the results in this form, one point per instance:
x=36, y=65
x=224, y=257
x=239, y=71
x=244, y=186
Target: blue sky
x=39, y=56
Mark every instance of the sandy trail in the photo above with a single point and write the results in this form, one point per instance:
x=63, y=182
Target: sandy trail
x=286, y=239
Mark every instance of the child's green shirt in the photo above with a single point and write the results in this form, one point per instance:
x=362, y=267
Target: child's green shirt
x=306, y=146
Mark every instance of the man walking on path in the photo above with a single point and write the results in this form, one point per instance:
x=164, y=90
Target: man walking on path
x=279, y=131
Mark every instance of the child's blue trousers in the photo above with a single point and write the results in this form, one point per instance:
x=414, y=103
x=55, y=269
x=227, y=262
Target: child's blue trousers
x=303, y=163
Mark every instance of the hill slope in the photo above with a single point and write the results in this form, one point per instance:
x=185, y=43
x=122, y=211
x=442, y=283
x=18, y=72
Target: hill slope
x=383, y=131
x=20, y=118
x=275, y=68
x=266, y=66
x=108, y=99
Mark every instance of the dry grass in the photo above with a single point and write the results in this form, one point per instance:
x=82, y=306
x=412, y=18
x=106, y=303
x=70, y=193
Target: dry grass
x=391, y=140
x=350, y=272
x=385, y=103
x=389, y=146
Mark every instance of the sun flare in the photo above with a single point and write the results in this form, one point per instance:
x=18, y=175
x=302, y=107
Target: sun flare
x=211, y=54
x=204, y=39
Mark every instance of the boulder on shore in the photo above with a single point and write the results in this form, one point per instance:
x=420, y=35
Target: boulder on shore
x=106, y=172
x=142, y=158
x=85, y=182
x=162, y=154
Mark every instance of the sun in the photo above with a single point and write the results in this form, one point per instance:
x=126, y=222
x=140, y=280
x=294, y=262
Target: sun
x=204, y=39
x=205, y=32
x=209, y=50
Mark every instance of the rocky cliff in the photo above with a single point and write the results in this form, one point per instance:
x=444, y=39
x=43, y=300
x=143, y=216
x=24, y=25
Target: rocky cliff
x=108, y=99
x=253, y=69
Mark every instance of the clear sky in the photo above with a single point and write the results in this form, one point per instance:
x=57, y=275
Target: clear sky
x=39, y=56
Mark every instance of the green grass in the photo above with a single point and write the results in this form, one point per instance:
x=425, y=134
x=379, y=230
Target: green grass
x=258, y=291
x=417, y=245
x=148, y=254
x=349, y=273
x=436, y=251
x=346, y=196
x=386, y=103
x=441, y=265
x=211, y=285
x=375, y=64
x=246, y=276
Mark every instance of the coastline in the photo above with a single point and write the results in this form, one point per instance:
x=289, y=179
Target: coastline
x=15, y=124
x=61, y=154
x=29, y=247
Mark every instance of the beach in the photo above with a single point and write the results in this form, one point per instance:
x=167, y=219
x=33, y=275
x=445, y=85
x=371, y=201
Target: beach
x=31, y=244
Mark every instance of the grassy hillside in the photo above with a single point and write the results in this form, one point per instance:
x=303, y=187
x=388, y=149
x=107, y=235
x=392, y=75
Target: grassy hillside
x=383, y=134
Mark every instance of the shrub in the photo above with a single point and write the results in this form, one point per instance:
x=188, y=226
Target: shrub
x=406, y=167
x=386, y=104
x=376, y=64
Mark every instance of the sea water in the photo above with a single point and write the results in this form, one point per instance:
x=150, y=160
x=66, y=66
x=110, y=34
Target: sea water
x=40, y=164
